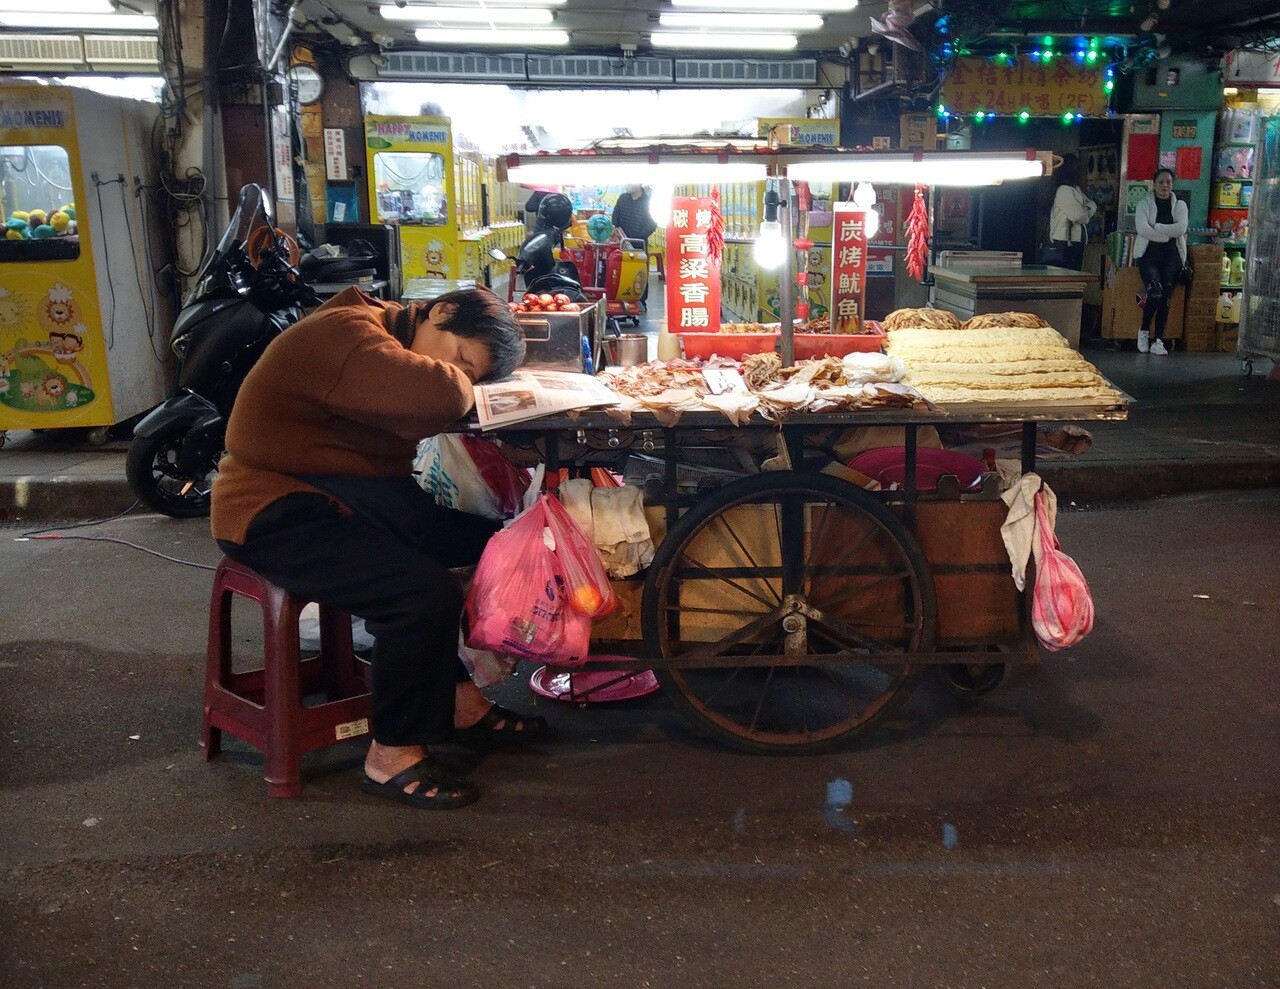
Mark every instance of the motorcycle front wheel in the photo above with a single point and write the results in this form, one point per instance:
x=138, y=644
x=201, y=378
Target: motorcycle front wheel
x=151, y=467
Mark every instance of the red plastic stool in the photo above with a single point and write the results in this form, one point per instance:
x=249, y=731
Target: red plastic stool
x=264, y=707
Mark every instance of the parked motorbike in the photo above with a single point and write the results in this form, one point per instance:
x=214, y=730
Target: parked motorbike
x=246, y=294
x=535, y=262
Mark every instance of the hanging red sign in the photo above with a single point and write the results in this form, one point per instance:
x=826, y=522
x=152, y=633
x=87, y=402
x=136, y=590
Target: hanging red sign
x=693, y=275
x=848, y=268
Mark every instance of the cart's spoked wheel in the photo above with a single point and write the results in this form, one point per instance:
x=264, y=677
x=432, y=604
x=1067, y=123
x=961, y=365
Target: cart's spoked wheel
x=776, y=600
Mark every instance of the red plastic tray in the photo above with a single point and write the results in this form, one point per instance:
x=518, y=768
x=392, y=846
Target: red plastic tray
x=732, y=345
x=810, y=345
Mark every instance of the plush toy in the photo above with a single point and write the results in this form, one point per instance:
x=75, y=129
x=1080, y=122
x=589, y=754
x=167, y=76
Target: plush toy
x=59, y=221
x=36, y=217
x=43, y=232
x=17, y=228
x=13, y=235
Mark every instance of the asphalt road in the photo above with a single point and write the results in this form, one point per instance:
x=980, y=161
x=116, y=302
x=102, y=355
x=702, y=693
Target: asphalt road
x=1106, y=820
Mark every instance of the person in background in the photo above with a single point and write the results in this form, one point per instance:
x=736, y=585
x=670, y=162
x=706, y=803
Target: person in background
x=531, y=209
x=315, y=494
x=1070, y=215
x=631, y=215
x=1160, y=252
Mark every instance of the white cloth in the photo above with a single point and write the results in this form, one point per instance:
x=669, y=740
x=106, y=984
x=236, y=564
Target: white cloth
x=621, y=530
x=575, y=495
x=1019, y=529
x=1072, y=210
x=1151, y=232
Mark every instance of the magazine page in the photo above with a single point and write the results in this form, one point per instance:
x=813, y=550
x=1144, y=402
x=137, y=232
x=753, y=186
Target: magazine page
x=529, y=394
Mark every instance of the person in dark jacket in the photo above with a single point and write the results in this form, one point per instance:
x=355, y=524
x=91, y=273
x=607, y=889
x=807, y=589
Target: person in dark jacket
x=631, y=216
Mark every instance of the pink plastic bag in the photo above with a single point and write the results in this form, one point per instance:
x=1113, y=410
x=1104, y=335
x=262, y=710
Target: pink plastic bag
x=590, y=592
x=1061, y=605
x=518, y=603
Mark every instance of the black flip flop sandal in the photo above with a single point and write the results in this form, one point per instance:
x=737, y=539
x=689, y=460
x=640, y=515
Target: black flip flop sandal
x=450, y=791
x=515, y=728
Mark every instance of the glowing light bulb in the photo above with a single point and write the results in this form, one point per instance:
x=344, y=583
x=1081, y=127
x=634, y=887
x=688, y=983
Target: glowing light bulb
x=660, y=204
x=864, y=195
x=771, y=249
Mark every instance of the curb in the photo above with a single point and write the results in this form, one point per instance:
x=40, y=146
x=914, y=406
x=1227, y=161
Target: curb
x=74, y=498
x=62, y=497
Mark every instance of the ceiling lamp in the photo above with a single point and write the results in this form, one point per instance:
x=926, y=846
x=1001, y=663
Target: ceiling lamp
x=466, y=15
x=515, y=37
x=742, y=21
x=652, y=169
x=948, y=168
x=59, y=20
x=818, y=6
x=65, y=7
x=742, y=42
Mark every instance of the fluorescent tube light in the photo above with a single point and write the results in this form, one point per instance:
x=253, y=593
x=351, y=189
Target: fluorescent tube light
x=478, y=36
x=65, y=7
x=743, y=42
x=597, y=170
x=466, y=15
x=780, y=6
x=58, y=19
x=942, y=168
x=742, y=21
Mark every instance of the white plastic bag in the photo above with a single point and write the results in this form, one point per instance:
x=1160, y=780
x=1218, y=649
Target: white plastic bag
x=445, y=469
x=309, y=631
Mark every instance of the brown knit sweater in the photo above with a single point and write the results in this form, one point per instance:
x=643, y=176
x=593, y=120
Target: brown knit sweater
x=334, y=394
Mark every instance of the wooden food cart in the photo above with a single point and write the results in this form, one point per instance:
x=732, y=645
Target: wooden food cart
x=787, y=612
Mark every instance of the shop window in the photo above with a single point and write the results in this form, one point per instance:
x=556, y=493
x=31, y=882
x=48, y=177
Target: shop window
x=410, y=188
x=36, y=201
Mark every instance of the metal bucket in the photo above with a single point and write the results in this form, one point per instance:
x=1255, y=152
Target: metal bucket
x=627, y=350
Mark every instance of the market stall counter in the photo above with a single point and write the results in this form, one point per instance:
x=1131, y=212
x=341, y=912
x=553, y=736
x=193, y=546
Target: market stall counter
x=790, y=609
x=1056, y=294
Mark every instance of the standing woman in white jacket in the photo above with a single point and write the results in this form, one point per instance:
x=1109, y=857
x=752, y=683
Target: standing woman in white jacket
x=1160, y=251
x=1070, y=215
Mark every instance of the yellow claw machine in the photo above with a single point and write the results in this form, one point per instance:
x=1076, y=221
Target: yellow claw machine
x=432, y=188
x=83, y=327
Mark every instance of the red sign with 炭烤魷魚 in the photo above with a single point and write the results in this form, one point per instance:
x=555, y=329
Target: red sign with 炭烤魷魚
x=848, y=268
x=693, y=275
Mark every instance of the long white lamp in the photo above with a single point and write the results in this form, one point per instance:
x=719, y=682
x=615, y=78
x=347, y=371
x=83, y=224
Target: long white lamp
x=46, y=7
x=482, y=36
x=956, y=168
x=741, y=21
x=79, y=22
x=600, y=170
x=817, y=6
x=738, y=42
x=467, y=15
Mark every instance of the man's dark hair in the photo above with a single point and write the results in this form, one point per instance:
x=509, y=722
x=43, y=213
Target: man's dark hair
x=1167, y=171
x=477, y=314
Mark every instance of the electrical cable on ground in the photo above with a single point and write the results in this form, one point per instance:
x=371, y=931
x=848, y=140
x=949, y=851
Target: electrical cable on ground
x=56, y=532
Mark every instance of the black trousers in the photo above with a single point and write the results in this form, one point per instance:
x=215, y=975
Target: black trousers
x=397, y=581
x=1159, y=266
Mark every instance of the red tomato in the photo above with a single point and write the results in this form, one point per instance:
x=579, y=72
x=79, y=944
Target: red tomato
x=546, y=299
x=530, y=297
x=519, y=307
x=562, y=299
x=570, y=307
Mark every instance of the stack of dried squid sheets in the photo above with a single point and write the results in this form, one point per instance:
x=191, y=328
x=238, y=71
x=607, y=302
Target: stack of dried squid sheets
x=986, y=321
x=1033, y=365
x=933, y=319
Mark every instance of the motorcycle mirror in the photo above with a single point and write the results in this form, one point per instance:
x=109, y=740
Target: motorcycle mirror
x=498, y=255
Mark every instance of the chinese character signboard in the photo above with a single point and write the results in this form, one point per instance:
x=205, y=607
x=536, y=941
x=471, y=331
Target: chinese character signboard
x=848, y=268
x=1045, y=89
x=335, y=154
x=693, y=276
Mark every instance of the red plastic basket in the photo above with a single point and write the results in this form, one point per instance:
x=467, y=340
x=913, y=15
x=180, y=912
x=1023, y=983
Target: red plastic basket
x=811, y=345
x=732, y=345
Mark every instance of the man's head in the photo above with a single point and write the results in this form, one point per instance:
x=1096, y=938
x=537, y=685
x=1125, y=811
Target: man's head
x=471, y=328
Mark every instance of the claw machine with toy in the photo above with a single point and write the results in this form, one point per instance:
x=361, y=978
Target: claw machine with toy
x=431, y=187
x=83, y=325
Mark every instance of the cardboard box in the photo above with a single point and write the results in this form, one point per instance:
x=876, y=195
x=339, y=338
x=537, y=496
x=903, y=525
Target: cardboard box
x=1228, y=335
x=1121, y=314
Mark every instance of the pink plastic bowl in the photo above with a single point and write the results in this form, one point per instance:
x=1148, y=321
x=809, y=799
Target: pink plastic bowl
x=888, y=465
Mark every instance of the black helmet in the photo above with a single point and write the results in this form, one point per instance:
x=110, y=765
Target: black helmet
x=555, y=211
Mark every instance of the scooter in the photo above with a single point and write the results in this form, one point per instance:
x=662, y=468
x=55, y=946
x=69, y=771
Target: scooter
x=246, y=294
x=538, y=269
